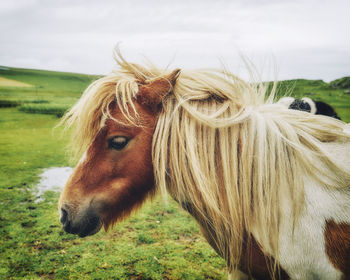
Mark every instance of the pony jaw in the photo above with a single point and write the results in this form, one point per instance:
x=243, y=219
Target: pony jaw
x=99, y=210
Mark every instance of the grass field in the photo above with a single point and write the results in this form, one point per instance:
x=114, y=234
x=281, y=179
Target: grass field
x=158, y=242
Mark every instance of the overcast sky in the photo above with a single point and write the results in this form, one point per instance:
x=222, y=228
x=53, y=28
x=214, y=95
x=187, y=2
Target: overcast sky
x=298, y=39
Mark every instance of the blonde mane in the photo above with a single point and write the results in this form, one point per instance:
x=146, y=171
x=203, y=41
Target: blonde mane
x=223, y=147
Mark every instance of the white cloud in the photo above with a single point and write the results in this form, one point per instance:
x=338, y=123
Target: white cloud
x=308, y=38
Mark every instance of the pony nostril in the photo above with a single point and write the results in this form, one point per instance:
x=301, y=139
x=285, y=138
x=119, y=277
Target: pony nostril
x=64, y=216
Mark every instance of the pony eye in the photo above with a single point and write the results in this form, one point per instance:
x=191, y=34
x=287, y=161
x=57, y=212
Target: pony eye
x=117, y=142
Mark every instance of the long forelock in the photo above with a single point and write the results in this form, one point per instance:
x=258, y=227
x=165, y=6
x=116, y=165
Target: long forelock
x=119, y=88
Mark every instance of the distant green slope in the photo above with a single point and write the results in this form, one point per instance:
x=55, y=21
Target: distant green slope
x=342, y=83
x=62, y=88
x=335, y=93
x=46, y=83
x=51, y=92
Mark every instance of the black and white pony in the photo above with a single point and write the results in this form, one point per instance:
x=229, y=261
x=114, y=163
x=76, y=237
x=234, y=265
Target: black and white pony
x=308, y=105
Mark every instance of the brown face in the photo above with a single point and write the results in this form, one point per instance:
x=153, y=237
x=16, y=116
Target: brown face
x=115, y=175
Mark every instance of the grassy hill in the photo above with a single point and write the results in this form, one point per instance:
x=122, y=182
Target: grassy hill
x=335, y=93
x=47, y=92
x=45, y=83
x=59, y=90
x=157, y=243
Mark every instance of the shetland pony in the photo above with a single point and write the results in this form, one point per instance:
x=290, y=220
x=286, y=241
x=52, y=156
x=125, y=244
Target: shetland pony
x=268, y=186
x=308, y=105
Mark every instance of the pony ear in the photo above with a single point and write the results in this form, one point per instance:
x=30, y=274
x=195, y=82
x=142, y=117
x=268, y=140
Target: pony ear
x=153, y=93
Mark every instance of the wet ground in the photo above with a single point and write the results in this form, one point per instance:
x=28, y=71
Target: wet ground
x=52, y=179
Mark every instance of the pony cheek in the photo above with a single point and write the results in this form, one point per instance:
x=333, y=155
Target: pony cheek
x=139, y=173
x=109, y=192
x=109, y=197
x=117, y=201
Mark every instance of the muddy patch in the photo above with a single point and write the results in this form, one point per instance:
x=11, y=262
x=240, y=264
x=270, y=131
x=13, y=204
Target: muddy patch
x=52, y=179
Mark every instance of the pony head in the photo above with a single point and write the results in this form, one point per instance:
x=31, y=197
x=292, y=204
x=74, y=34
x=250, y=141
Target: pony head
x=115, y=173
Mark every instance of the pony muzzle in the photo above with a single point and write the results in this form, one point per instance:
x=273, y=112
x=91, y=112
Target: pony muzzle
x=83, y=224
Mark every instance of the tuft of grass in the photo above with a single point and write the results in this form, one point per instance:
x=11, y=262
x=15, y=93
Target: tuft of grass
x=44, y=108
x=9, y=103
x=36, y=101
x=143, y=238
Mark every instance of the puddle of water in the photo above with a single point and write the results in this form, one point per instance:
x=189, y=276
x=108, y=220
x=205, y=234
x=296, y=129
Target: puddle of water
x=52, y=179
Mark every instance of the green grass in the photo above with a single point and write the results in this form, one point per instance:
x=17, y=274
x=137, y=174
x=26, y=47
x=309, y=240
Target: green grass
x=52, y=92
x=46, y=83
x=158, y=242
x=43, y=108
x=9, y=103
x=342, y=83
